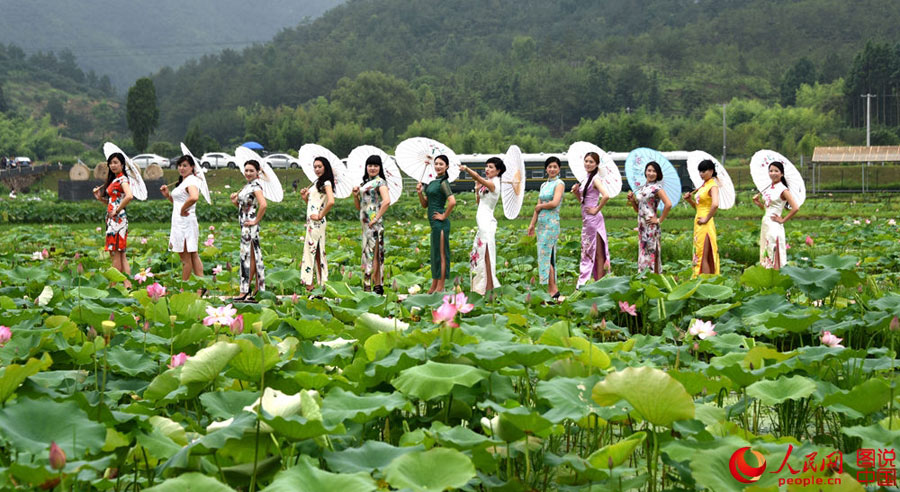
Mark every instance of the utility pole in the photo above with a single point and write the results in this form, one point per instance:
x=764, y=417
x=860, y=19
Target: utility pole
x=723, y=133
x=868, y=97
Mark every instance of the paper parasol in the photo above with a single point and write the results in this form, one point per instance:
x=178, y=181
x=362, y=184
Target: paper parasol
x=723, y=180
x=415, y=155
x=607, y=169
x=200, y=172
x=512, y=183
x=271, y=187
x=343, y=182
x=759, y=171
x=138, y=187
x=637, y=161
x=356, y=167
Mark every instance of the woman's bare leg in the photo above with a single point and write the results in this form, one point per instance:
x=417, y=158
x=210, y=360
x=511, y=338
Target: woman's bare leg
x=443, y=279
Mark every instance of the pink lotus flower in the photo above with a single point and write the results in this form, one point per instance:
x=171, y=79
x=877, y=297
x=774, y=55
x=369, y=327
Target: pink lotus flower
x=868, y=221
x=445, y=314
x=223, y=315
x=209, y=242
x=895, y=324
x=178, y=360
x=5, y=335
x=237, y=326
x=702, y=329
x=809, y=241
x=142, y=275
x=143, y=240
x=461, y=302
x=99, y=229
x=217, y=270
x=155, y=291
x=627, y=308
x=45, y=253
x=212, y=228
x=294, y=298
x=831, y=340
x=57, y=456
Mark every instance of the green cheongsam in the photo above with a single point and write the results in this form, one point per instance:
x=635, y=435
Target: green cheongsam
x=437, y=193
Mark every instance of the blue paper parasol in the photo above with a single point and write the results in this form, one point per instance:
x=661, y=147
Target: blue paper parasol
x=634, y=171
x=252, y=145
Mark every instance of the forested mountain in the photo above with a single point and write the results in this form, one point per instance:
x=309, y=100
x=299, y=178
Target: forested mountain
x=552, y=62
x=131, y=39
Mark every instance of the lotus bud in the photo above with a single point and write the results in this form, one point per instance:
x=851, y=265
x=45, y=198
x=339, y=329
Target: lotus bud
x=594, y=311
x=609, y=463
x=77, y=255
x=45, y=253
x=146, y=326
x=394, y=285
x=532, y=280
x=5, y=335
x=79, y=268
x=237, y=326
x=111, y=473
x=528, y=298
x=172, y=319
x=603, y=324
x=696, y=346
x=294, y=298
x=257, y=327
x=91, y=333
x=57, y=457
x=895, y=324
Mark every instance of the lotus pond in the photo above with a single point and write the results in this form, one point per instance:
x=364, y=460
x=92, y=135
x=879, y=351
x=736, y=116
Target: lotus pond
x=633, y=383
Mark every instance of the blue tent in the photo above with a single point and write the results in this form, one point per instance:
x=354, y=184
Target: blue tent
x=252, y=145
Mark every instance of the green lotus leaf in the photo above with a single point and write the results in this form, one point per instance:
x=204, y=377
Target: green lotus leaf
x=714, y=310
x=191, y=482
x=371, y=456
x=497, y=355
x=837, y=262
x=13, y=375
x=814, y=282
x=114, y=275
x=339, y=405
x=713, y=292
x=249, y=362
x=569, y=398
x=616, y=453
x=205, y=365
x=435, y=470
x=656, y=396
x=591, y=354
x=771, y=392
x=131, y=362
x=759, y=277
x=863, y=399
x=87, y=292
x=62, y=422
x=307, y=478
x=685, y=290
x=283, y=279
x=226, y=404
x=434, y=379
x=458, y=437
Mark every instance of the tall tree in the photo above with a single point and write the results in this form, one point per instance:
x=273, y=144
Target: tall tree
x=141, y=112
x=803, y=72
x=4, y=106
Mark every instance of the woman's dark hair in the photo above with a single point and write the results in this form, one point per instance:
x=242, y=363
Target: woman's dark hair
x=656, y=167
x=254, y=163
x=373, y=159
x=327, y=175
x=780, y=167
x=498, y=163
x=587, y=182
x=447, y=162
x=190, y=161
x=707, y=165
x=109, y=175
x=550, y=160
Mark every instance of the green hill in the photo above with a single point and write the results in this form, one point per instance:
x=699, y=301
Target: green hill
x=549, y=62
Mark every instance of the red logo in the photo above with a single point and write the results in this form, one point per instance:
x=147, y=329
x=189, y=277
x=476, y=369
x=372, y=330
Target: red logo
x=741, y=470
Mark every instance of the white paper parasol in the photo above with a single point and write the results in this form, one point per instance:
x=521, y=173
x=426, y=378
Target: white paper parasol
x=759, y=171
x=607, y=169
x=723, y=180
x=199, y=171
x=343, y=182
x=415, y=155
x=138, y=187
x=356, y=167
x=271, y=187
x=512, y=183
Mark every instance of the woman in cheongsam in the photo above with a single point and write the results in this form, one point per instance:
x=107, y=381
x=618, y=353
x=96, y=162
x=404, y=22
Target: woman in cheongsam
x=706, y=248
x=545, y=223
x=117, y=195
x=319, y=199
x=251, y=206
x=438, y=199
x=594, y=243
x=645, y=201
x=372, y=198
x=483, y=257
x=772, y=246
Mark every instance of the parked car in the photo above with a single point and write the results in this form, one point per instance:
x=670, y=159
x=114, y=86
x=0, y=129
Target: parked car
x=216, y=160
x=144, y=160
x=282, y=161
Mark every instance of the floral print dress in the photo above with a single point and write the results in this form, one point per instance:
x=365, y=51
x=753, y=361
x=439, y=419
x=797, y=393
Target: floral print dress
x=247, y=210
x=484, y=243
x=314, y=260
x=547, y=231
x=116, y=226
x=593, y=236
x=772, y=249
x=649, y=251
x=372, y=231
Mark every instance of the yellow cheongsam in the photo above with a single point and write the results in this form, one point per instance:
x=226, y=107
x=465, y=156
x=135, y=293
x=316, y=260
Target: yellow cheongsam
x=708, y=230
